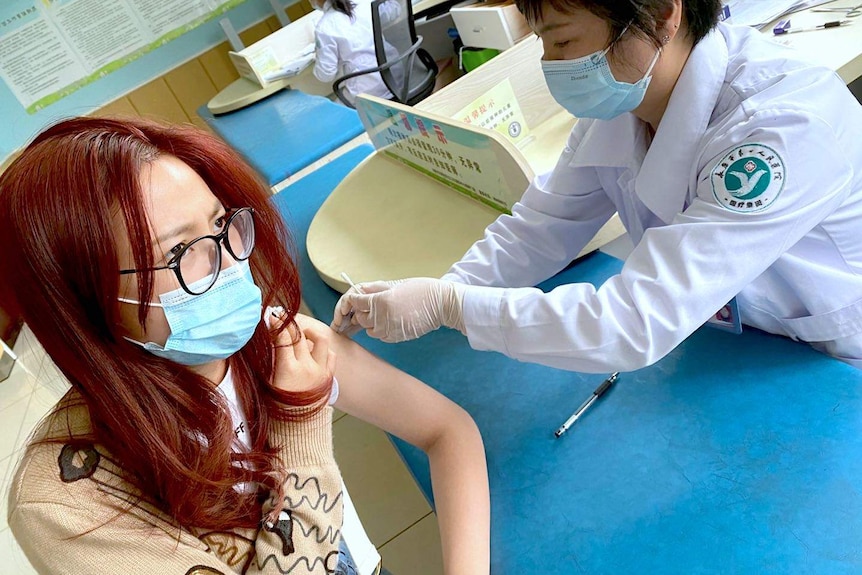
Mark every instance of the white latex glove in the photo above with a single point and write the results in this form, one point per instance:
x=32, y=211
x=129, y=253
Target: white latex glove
x=401, y=310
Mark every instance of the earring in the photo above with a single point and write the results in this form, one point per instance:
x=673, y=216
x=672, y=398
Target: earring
x=665, y=39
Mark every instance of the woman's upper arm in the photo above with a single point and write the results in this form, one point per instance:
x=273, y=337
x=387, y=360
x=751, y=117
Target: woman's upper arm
x=381, y=394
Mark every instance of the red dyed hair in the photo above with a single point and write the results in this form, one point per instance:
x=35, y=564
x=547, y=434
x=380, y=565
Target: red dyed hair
x=60, y=267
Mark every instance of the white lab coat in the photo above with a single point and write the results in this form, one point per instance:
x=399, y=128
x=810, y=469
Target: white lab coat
x=795, y=265
x=344, y=46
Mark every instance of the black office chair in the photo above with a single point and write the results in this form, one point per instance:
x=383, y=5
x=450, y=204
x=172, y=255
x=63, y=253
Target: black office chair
x=407, y=70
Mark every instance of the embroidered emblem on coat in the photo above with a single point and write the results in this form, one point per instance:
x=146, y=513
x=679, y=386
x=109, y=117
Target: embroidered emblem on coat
x=77, y=462
x=748, y=179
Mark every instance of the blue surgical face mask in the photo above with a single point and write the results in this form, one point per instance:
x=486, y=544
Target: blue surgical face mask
x=210, y=326
x=586, y=87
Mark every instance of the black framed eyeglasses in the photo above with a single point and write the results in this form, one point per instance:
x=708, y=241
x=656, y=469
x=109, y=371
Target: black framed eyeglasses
x=198, y=263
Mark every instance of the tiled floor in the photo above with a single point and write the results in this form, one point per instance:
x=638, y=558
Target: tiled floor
x=24, y=399
x=396, y=516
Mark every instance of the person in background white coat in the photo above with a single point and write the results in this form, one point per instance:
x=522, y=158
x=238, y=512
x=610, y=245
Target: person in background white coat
x=735, y=167
x=344, y=43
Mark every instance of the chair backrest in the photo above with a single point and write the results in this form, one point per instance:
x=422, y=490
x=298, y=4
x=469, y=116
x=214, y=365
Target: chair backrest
x=408, y=70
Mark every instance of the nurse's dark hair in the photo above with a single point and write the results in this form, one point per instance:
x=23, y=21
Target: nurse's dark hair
x=344, y=6
x=643, y=17
x=67, y=203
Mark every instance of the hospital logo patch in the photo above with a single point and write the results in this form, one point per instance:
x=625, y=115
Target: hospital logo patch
x=748, y=179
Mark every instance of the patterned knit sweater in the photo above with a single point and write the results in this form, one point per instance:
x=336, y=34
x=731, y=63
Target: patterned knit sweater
x=66, y=511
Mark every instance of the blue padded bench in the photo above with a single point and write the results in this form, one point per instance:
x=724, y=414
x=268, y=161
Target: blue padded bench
x=285, y=132
x=733, y=454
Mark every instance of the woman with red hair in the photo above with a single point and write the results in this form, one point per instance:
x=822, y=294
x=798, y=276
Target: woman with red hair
x=196, y=437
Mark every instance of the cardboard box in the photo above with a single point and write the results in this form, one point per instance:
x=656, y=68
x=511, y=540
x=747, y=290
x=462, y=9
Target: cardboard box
x=497, y=25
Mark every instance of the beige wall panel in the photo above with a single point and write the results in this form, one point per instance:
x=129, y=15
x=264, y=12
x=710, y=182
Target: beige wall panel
x=273, y=24
x=251, y=35
x=191, y=85
x=298, y=10
x=155, y=100
x=9, y=160
x=119, y=107
x=218, y=66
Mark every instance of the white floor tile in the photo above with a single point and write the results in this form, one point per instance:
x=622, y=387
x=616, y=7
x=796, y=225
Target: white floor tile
x=416, y=551
x=48, y=373
x=19, y=385
x=5, y=472
x=41, y=402
x=5, y=462
x=11, y=419
x=29, y=350
x=7, y=468
x=12, y=559
x=383, y=490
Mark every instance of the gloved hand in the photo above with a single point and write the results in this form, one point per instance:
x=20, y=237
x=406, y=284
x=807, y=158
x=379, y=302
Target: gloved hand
x=401, y=310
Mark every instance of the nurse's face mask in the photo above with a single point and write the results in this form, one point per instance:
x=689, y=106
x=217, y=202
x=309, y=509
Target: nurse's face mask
x=586, y=87
x=215, y=311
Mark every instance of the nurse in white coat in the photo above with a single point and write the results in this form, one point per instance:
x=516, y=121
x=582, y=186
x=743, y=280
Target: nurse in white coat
x=344, y=43
x=735, y=167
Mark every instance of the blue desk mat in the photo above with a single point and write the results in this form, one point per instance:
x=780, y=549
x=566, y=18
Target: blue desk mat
x=283, y=133
x=733, y=454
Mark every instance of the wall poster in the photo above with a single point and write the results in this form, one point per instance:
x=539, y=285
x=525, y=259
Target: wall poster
x=50, y=48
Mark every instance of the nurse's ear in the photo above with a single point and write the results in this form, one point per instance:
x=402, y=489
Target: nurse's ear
x=669, y=21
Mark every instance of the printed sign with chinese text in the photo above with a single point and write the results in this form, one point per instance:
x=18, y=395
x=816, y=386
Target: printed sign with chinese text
x=498, y=109
x=465, y=159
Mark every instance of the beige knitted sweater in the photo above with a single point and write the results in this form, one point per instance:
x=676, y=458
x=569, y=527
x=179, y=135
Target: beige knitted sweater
x=66, y=500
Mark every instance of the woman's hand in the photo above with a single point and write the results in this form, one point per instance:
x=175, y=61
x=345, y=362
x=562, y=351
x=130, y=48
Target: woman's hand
x=303, y=358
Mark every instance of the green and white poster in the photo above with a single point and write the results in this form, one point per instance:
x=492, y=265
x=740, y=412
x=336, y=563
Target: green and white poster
x=50, y=48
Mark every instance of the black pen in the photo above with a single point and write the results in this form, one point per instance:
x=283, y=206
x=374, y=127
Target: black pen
x=780, y=30
x=600, y=390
